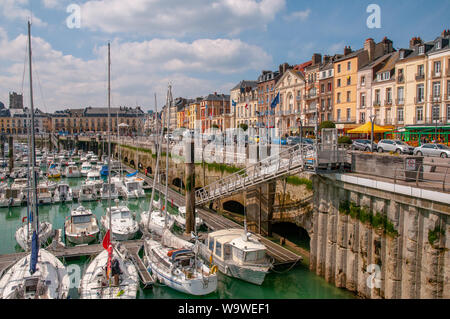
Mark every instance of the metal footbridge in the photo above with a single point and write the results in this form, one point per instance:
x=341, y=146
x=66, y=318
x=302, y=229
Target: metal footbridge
x=319, y=158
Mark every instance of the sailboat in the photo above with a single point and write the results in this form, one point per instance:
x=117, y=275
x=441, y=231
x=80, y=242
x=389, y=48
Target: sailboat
x=159, y=220
x=114, y=262
x=38, y=275
x=23, y=235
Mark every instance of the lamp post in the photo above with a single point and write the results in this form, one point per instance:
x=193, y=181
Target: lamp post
x=372, y=120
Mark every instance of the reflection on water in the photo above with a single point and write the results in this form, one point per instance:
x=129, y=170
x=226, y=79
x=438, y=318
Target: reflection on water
x=296, y=283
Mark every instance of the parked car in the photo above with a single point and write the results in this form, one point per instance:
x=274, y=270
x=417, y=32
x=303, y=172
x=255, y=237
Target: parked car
x=363, y=145
x=293, y=140
x=396, y=146
x=438, y=150
x=279, y=140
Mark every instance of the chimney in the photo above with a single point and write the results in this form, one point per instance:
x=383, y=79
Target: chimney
x=445, y=33
x=316, y=59
x=326, y=59
x=347, y=50
x=415, y=41
x=387, y=46
x=369, y=46
x=215, y=93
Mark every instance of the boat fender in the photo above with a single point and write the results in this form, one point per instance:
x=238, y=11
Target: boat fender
x=214, y=270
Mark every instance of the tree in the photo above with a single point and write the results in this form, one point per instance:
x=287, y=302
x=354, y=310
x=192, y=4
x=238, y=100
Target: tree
x=243, y=126
x=344, y=140
x=326, y=124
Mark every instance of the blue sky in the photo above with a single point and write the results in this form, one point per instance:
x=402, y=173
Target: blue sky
x=201, y=46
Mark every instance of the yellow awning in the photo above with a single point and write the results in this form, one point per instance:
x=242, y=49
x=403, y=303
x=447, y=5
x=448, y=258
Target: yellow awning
x=367, y=129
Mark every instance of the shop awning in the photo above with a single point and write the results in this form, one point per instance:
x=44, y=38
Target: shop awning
x=367, y=129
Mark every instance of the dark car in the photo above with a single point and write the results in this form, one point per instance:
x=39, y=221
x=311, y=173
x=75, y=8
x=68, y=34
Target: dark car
x=363, y=145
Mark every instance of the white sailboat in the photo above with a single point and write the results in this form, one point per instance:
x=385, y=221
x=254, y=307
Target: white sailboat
x=180, y=219
x=159, y=220
x=38, y=275
x=113, y=262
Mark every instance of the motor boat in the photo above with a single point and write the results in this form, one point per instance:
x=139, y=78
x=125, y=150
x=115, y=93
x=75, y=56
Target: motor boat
x=104, y=192
x=180, y=219
x=133, y=188
x=237, y=254
x=72, y=170
x=81, y=227
x=44, y=194
x=123, y=223
x=157, y=222
x=85, y=168
x=63, y=193
x=88, y=192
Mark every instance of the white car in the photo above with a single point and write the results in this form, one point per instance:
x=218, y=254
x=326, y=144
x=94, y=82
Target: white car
x=438, y=150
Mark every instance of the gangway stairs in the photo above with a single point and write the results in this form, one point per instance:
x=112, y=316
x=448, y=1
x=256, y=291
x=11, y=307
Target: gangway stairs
x=288, y=162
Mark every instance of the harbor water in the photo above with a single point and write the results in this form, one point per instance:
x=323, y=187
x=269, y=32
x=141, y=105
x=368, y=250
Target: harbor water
x=297, y=283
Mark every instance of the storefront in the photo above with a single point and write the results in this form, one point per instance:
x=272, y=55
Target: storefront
x=417, y=135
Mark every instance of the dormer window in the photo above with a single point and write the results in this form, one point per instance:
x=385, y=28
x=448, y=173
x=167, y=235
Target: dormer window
x=438, y=45
x=402, y=55
x=422, y=49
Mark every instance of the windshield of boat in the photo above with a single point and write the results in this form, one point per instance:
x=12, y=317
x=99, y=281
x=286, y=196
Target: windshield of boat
x=253, y=256
x=132, y=186
x=121, y=215
x=81, y=219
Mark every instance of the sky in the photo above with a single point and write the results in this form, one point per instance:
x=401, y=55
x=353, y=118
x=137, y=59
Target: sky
x=199, y=46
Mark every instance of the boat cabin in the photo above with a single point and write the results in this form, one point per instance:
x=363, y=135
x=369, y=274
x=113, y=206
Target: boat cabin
x=231, y=245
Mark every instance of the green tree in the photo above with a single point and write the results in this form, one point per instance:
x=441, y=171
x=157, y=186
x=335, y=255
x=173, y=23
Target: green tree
x=326, y=124
x=344, y=140
x=243, y=126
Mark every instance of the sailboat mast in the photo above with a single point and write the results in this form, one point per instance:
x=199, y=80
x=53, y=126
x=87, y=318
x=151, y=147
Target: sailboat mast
x=32, y=153
x=159, y=140
x=109, y=139
x=169, y=100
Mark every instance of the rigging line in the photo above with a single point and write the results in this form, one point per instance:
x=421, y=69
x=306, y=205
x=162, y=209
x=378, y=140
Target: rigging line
x=24, y=66
x=40, y=87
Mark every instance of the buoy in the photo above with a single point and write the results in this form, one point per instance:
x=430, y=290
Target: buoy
x=214, y=269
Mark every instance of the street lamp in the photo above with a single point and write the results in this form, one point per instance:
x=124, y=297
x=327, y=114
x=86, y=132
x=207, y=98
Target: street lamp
x=372, y=120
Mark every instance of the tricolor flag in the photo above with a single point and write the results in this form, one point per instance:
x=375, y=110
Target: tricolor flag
x=246, y=106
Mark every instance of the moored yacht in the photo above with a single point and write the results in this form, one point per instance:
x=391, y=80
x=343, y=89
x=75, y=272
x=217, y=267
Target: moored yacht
x=81, y=227
x=123, y=223
x=237, y=254
x=179, y=269
x=23, y=236
x=72, y=171
x=63, y=193
x=85, y=168
x=180, y=219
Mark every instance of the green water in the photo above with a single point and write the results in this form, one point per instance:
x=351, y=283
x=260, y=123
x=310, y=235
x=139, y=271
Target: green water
x=298, y=283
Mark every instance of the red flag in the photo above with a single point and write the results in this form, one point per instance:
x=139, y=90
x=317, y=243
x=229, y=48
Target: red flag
x=246, y=106
x=106, y=240
x=23, y=219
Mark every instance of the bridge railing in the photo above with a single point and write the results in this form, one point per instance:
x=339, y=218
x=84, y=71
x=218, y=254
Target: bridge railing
x=429, y=175
x=269, y=168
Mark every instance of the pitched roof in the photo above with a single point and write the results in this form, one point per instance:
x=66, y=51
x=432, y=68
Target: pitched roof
x=390, y=63
x=244, y=84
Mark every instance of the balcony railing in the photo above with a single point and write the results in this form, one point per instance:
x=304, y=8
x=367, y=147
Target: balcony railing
x=388, y=121
x=400, y=101
x=435, y=98
x=419, y=100
x=436, y=75
x=398, y=121
x=388, y=102
x=447, y=97
x=431, y=121
x=420, y=77
x=400, y=79
x=310, y=96
x=376, y=103
x=350, y=120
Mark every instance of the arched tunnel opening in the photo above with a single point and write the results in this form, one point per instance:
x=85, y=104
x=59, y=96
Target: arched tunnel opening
x=178, y=182
x=234, y=207
x=140, y=165
x=132, y=163
x=125, y=159
x=292, y=232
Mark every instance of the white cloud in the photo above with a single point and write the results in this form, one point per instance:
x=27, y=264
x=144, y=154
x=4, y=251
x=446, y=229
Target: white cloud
x=19, y=10
x=53, y=3
x=138, y=70
x=179, y=17
x=298, y=15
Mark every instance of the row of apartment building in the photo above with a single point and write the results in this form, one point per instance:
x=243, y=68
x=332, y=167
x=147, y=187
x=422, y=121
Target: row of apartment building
x=15, y=120
x=408, y=86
